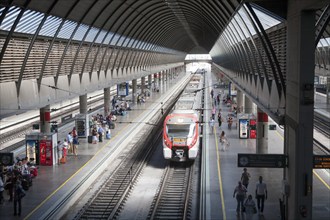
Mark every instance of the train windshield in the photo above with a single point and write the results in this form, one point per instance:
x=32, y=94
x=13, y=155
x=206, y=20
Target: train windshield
x=180, y=130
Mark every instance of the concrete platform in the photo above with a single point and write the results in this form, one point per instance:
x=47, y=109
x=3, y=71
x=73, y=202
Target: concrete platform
x=223, y=173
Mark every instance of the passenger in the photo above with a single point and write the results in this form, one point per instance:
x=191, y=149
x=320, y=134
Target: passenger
x=219, y=119
x=100, y=132
x=223, y=141
x=70, y=140
x=245, y=178
x=94, y=134
x=108, y=134
x=75, y=145
x=74, y=132
x=240, y=192
x=19, y=193
x=212, y=125
x=65, y=150
x=10, y=184
x=59, y=151
x=250, y=207
x=213, y=112
x=261, y=195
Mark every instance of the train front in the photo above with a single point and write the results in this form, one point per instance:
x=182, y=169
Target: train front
x=181, y=136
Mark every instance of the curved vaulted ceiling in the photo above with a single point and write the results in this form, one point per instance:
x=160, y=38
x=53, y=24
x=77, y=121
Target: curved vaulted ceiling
x=177, y=24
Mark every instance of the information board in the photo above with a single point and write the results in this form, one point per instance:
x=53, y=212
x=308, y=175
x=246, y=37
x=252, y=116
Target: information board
x=321, y=161
x=262, y=160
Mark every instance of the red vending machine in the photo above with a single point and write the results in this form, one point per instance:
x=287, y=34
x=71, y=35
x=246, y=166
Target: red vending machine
x=253, y=128
x=47, y=149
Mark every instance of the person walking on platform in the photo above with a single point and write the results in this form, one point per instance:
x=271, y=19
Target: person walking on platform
x=212, y=125
x=219, y=119
x=245, y=178
x=250, y=207
x=261, y=195
x=240, y=193
x=19, y=193
x=223, y=141
x=213, y=112
x=65, y=150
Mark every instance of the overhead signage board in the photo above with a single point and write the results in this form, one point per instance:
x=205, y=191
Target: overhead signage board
x=321, y=161
x=262, y=160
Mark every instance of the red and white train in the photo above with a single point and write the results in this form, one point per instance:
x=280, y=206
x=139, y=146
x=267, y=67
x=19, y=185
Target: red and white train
x=181, y=127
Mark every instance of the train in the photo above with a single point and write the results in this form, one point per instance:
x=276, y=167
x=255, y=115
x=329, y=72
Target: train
x=181, y=129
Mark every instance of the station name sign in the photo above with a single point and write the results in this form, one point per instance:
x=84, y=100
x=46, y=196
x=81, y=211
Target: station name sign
x=321, y=161
x=262, y=160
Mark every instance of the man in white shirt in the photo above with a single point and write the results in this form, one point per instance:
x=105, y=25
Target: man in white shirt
x=261, y=195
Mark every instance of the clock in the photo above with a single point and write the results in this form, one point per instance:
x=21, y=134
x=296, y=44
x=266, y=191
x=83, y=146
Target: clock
x=243, y=161
x=6, y=159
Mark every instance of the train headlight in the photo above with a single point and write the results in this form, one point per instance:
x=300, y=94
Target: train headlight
x=180, y=120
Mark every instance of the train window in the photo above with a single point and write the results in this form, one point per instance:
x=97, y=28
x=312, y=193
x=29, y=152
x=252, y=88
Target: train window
x=177, y=130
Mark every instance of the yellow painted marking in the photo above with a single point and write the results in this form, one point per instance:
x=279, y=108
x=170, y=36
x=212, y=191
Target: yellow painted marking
x=320, y=178
x=219, y=175
x=326, y=185
x=48, y=197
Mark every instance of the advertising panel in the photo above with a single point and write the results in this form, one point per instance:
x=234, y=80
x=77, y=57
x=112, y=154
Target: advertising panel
x=122, y=89
x=243, y=128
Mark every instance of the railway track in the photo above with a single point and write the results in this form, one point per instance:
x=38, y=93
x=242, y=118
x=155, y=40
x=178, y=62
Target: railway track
x=172, y=200
x=322, y=124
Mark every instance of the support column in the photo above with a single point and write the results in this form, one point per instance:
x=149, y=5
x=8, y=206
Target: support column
x=45, y=119
x=248, y=105
x=149, y=80
x=240, y=106
x=107, y=101
x=298, y=143
x=83, y=104
x=328, y=90
x=143, y=84
x=262, y=133
x=134, y=91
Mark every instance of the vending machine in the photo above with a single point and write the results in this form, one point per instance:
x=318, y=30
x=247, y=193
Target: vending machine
x=47, y=149
x=82, y=125
x=41, y=148
x=253, y=128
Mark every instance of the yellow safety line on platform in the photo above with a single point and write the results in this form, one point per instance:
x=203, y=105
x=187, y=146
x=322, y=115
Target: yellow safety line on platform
x=219, y=174
x=48, y=197
x=320, y=178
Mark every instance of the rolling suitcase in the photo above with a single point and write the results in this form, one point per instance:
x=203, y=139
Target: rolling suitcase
x=90, y=139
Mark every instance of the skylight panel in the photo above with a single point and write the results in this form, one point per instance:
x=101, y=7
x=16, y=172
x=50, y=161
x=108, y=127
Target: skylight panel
x=80, y=33
x=91, y=34
x=67, y=29
x=324, y=42
x=9, y=19
x=101, y=36
x=29, y=22
x=50, y=26
x=108, y=38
